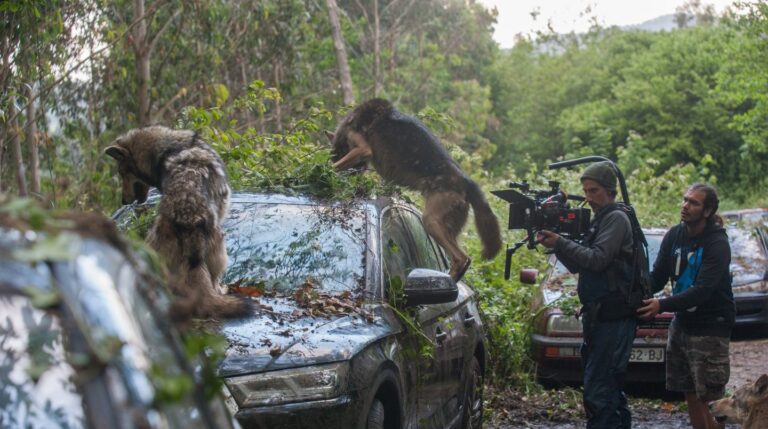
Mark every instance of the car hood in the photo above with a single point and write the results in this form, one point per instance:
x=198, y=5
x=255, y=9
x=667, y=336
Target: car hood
x=558, y=285
x=281, y=336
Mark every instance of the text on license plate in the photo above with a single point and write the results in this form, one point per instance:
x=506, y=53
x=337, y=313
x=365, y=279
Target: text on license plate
x=647, y=355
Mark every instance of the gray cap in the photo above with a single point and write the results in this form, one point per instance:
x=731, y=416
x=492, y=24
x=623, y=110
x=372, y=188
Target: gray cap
x=601, y=172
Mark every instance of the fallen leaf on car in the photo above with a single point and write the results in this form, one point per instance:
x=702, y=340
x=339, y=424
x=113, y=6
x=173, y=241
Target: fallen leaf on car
x=668, y=407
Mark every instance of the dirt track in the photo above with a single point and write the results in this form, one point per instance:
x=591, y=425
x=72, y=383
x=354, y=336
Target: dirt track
x=749, y=359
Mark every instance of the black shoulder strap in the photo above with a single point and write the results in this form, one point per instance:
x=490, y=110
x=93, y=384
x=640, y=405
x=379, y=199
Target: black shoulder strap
x=595, y=225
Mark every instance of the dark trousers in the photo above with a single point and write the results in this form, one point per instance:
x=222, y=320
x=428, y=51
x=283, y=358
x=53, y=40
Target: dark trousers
x=605, y=355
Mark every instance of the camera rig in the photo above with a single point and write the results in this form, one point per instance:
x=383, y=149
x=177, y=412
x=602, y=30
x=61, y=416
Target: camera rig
x=534, y=210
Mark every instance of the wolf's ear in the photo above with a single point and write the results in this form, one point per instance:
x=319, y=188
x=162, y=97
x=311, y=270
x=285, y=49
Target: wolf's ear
x=117, y=152
x=762, y=384
x=330, y=135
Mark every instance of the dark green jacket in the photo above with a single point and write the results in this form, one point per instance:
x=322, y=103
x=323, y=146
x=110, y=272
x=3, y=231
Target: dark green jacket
x=609, y=237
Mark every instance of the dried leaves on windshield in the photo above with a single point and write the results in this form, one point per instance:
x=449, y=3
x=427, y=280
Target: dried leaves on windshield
x=309, y=301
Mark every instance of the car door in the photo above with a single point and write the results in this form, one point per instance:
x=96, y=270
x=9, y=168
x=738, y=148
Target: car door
x=446, y=324
x=422, y=374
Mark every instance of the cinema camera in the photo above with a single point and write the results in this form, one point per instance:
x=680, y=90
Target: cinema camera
x=534, y=210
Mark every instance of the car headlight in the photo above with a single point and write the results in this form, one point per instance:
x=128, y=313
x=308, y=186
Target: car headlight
x=563, y=324
x=290, y=385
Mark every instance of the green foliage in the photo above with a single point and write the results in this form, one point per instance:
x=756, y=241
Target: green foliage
x=170, y=388
x=743, y=86
x=675, y=98
x=41, y=342
x=208, y=348
x=58, y=247
x=506, y=305
x=418, y=344
x=291, y=161
x=26, y=210
x=26, y=213
x=657, y=197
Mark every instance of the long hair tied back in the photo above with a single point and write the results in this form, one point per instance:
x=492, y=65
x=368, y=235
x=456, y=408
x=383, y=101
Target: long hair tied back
x=711, y=201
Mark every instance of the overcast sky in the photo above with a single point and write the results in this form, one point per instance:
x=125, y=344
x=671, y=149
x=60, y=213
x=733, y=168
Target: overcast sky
x=570, y=15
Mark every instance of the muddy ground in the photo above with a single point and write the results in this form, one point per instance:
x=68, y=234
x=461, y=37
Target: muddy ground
x=554, y=409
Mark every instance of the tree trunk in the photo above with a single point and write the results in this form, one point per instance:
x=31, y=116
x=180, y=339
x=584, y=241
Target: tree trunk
x=16, y=144
x=32, y=142
x=392, y=51
x=261, y=123
x=376, y=50
x=5, y=72
x=4, y=137
x=245, y=84
x=277, y=70
x=341, y=54
x=92, y=121
x=142, y=52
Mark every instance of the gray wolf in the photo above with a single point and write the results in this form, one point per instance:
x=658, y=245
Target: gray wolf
x=748, y=406
x=187, y=230
x=404, y=151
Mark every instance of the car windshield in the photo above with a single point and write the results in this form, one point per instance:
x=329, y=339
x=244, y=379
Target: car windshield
x=755, y=217
x=280, y=247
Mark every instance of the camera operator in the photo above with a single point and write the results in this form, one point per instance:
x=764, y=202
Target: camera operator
x=608, y=322
x=696, y=256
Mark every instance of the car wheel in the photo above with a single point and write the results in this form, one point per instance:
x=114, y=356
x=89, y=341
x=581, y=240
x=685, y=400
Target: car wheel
x=375, y=415
x=473, y=398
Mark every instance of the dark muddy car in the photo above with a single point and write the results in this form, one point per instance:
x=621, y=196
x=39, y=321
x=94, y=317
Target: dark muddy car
x=84, y=341
x=747, y=216
x=749, y=267
x=357, y=324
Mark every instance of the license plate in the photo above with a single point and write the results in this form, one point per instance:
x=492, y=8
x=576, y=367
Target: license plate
x=647, y=355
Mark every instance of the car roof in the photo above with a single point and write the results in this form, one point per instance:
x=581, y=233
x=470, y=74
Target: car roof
x=742, y=211
x=655, y=231
x=244, y=196
x=307, y=199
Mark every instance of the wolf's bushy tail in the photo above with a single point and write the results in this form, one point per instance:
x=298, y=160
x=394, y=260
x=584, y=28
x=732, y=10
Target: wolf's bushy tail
x=197, y=297
x=485, y=221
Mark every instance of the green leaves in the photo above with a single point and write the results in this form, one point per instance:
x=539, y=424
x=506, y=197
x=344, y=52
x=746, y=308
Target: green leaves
x=692, y=95
x=295, y=160
x=208, y=349
x=55, y=247
x=27, y=210
x=170, y=388
x=52, y=245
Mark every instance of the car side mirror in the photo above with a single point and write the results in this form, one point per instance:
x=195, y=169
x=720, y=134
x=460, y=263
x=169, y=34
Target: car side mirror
x=528, y=276
x=425, y=286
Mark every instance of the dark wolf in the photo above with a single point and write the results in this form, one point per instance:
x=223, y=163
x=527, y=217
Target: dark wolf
x=187, y=230
x=405, y=152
